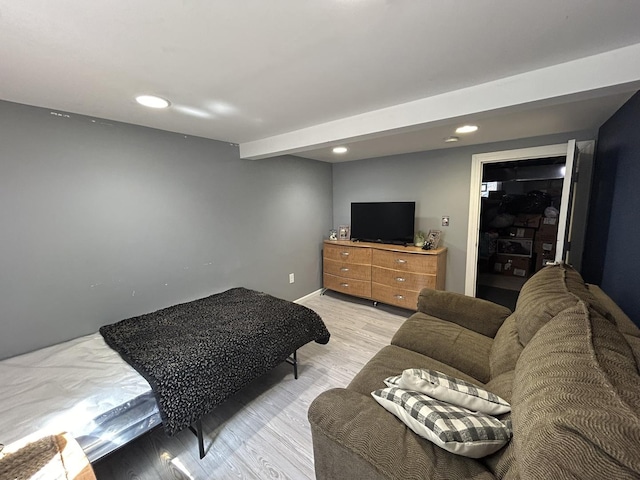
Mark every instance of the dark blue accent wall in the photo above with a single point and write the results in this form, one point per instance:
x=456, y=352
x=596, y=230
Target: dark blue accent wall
x=612, y=254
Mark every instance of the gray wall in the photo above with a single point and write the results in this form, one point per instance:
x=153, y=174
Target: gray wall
x=438, y=181
x=102, y=221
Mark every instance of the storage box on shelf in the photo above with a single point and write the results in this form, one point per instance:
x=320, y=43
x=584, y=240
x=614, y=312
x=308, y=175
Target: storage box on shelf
x=515, y=246
x=543, y=259
x=546, y=247
x=527, y=246
x=521, y=232
x=515, y=266
x=514, y=255
x=390, y=274
x=529, y=220
x=548, y=229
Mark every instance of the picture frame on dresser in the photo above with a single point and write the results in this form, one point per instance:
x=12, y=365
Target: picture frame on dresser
x=344, y=232
x=433, y=240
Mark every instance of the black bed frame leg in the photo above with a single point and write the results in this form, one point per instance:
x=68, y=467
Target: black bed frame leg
x=295, y=364
x=197, y=431
x=293, y=360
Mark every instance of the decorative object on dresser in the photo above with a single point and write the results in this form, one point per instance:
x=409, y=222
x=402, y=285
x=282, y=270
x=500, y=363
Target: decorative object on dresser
x=432, y=240
x=344, y=232
x=391, y=274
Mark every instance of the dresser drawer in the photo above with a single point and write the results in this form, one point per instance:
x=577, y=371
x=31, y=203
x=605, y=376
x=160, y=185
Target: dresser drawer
x=402, y=280
x=358, y=288
x=405, y=262
x=394, y=296
x=347, y=270
x=347, y=254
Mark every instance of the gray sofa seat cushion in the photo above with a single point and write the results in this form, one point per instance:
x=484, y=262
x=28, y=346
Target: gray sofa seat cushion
x=393, y=360
x=502, y=464
x=447, y=342
x=352, y=426
x=576, y=400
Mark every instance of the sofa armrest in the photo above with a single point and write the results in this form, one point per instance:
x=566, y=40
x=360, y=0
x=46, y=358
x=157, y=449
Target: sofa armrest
x=479, y=315
x=448, y=343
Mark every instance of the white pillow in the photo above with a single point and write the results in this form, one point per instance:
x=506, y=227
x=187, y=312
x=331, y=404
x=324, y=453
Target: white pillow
x=455, y=429
x=449, y=389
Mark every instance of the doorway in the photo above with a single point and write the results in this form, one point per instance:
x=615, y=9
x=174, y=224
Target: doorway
x=519, y=209
x=516, y=196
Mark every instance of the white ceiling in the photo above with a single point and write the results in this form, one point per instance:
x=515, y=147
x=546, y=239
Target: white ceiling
x=292, y=76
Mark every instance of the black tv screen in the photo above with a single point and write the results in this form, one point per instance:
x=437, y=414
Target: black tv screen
x=384, y=222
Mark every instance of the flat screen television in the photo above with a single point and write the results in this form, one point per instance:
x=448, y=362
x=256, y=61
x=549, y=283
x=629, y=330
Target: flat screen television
x=383, y=222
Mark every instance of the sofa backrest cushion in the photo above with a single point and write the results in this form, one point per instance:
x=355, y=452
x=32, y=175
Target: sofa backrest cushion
x=576, y=400
x=614, y=312
x=505, y=349
x=547, y=293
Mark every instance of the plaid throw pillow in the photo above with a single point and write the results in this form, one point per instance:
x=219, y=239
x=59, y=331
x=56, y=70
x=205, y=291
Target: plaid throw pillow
x=450, y=389
x=455, y=429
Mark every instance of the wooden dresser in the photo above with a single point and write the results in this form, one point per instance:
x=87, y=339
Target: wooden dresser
x=390, y=274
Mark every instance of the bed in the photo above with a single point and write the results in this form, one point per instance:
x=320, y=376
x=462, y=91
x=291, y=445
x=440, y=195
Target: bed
x=173, y=366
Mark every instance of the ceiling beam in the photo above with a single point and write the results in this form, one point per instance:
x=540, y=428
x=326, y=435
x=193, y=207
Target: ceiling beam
x=615, y=71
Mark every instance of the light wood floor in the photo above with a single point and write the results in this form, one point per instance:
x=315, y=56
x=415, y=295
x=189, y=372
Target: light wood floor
x=263, y=432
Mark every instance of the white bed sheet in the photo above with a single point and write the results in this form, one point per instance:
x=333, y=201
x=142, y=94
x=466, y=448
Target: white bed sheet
x=82, y=387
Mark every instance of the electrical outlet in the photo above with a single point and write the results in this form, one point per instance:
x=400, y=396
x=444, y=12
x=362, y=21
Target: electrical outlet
x=292, y=278
x=445, y=221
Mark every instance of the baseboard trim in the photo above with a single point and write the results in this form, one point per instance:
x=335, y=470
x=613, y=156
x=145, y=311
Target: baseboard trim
x=312, y=294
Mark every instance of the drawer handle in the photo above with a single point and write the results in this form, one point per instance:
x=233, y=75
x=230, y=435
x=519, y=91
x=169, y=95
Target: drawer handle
x=344, y=254
x=400, y=260
x=344, y=284
x=344, y=269
x=400, y=279
x=399, y=297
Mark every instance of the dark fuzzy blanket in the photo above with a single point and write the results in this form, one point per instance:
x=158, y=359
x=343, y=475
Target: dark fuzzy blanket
x=197, y=354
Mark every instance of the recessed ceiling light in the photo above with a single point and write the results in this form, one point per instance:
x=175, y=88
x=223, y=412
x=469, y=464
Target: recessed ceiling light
x=152, y=101
x=451, y=139
x=467, y=129
x=340, y=150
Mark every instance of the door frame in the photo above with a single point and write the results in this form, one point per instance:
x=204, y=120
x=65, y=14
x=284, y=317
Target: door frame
x=477, y=163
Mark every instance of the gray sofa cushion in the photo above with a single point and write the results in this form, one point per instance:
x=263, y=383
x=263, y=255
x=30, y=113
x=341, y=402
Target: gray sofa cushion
x=350, y=426
x=393, y=360
x=614, y=312
x=546, y=294
x=447, y=342
x=576, y=399
x=506, y=348
x=471, y=313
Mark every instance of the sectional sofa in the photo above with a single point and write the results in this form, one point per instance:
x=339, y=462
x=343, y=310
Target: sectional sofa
x=566, y=360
